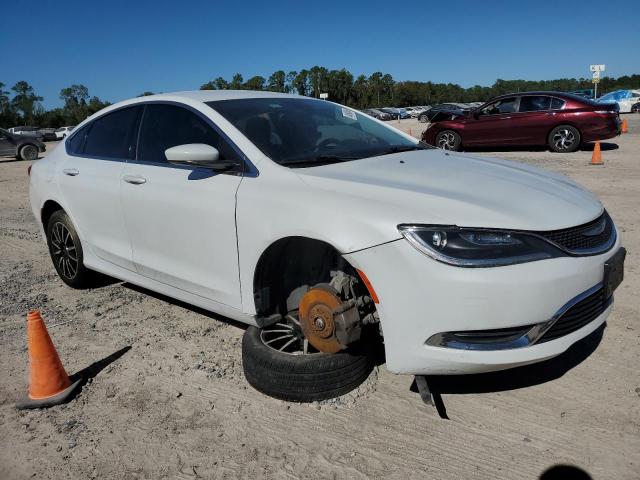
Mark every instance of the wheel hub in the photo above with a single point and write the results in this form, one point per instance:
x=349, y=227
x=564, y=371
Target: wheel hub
x=316, y=318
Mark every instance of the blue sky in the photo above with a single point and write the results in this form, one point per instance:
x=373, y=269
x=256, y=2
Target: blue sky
x=119, y=49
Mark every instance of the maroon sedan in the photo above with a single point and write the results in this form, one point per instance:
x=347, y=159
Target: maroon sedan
x=560, y=120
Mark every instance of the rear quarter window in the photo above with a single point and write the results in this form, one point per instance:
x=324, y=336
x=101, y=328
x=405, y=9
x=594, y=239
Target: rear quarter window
x=557, y=104
x=76, y=143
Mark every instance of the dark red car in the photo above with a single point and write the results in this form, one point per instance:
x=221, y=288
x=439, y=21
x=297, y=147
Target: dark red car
x=560, y=120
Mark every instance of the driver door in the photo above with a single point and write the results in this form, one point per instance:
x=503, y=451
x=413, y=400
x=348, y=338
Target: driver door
x=493, y=126
x=181, y=219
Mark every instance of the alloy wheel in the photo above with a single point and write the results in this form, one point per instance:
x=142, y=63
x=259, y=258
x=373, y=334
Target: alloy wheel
x=64, y=251
x=564, y=139
x=447, y=141
x=286, y=337
x=29, y=152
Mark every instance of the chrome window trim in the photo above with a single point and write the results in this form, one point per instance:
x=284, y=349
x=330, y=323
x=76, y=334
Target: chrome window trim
x=535, y=333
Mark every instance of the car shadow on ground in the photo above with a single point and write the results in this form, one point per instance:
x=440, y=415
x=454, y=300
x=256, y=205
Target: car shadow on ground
x=185, y=305
x=520, y=377
x=514, y=378
x=585, y=147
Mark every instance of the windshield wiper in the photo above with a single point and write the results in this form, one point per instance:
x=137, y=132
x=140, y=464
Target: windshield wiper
x=318, y=160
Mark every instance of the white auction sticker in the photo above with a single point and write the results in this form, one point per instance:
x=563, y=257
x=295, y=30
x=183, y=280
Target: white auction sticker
x=349, y=113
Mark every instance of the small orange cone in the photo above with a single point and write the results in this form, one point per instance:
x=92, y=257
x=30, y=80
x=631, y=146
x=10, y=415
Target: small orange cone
x=596, y=156
x=625, y=126
x=49, y=383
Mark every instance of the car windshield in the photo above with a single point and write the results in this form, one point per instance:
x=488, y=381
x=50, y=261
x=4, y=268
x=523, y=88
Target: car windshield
x=306, y=132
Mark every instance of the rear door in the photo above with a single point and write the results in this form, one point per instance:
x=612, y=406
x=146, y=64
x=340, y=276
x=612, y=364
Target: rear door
x=181, y=219
x=493, y=124
x=90, y=183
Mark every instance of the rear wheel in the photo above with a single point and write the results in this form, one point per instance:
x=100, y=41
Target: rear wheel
x=28, y=152
x=423, y=118
x=66, y=251
x=564, y=139
x=448, y=140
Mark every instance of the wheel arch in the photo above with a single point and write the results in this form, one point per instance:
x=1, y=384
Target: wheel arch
x=288, y=263
x=49, y=208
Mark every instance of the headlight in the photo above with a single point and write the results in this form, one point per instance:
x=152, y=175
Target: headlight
x=477, y=247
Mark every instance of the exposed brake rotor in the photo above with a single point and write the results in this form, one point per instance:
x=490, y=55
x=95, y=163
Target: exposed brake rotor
x=317, y=319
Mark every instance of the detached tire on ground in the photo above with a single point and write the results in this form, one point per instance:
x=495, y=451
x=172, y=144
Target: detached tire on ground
x=302, y=378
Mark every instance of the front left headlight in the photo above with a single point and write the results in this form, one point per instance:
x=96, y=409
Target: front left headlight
x=464, y=247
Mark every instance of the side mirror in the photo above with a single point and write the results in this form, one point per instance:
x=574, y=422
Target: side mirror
x=476, y=114
x=197, y=155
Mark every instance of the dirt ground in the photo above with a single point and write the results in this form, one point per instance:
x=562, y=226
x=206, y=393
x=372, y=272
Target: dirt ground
x=167, y=398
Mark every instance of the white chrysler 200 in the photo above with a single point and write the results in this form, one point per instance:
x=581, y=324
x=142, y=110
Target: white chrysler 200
x=328, y=233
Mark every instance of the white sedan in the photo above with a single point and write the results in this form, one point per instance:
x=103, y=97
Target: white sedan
x=328, y=232
x=62, y=132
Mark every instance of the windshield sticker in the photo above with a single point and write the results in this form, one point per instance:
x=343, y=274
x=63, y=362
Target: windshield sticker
x=349, y=113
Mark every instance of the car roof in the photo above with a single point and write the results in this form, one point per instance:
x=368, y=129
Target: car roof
x=214, y=95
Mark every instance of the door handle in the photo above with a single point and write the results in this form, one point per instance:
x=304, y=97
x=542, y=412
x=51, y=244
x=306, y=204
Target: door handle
x=134, y=179
x=72, y=172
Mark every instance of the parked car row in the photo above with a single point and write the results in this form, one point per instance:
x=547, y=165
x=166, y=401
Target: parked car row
x=46, y=134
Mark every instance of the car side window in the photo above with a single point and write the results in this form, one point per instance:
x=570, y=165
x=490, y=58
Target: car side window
x=534, y=103
x=165, y=126
x=505, y=105
x=557, y=104
x=75, y=144
x=113, y=135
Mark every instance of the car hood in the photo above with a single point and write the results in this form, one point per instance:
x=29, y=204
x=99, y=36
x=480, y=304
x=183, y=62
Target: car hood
x=437, y=187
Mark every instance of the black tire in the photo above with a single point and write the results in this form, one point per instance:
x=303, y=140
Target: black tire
x=635, y=108
x=564, y=139
x=63, y=242
x=448, y=140
x=302, y=378
x=423, y=118
x=28, y=151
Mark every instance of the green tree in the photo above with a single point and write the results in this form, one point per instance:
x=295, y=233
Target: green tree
x=277, y=82
x=236, y=82
x=255, y=83
x=301, y=83
x=25, y=100
x=75, y=103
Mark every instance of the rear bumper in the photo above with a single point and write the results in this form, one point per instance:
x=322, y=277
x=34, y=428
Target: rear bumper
x=421, y=298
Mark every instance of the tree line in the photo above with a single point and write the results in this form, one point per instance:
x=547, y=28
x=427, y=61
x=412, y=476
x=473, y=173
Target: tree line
x=20, y=105
x=380, y=89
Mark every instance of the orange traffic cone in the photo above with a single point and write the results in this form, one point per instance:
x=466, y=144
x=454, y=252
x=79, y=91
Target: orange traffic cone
x=49, y=383
x=596, y=156
x=625, y=126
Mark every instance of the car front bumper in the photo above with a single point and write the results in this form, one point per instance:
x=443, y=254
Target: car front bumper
x=421, y=299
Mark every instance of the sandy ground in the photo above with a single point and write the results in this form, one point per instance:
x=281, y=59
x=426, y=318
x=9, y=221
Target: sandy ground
x=167, y=398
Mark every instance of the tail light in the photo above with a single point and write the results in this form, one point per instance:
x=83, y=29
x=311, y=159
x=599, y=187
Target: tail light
x=29, y=170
